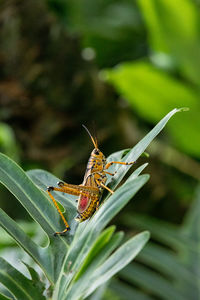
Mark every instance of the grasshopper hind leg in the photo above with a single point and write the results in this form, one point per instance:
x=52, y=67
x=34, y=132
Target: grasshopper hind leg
x=62, y=233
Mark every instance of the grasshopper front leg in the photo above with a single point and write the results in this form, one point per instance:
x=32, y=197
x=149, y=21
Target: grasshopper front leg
x=118, y=162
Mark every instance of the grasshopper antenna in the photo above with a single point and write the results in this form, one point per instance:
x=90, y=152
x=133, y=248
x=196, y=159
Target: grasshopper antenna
x=93, y=141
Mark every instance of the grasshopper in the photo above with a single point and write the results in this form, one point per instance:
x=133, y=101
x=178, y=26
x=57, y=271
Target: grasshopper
x=90, y=190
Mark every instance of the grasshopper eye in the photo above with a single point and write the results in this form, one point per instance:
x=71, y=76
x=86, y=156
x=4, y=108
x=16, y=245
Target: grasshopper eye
x=96, y=152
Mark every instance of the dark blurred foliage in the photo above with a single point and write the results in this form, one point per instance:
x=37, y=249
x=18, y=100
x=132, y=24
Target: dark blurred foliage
x=47, y=89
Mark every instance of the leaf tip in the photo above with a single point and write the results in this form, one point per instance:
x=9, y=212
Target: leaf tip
x=146, y=176
x=147, y=235
x=182, y=109
x=145, y=154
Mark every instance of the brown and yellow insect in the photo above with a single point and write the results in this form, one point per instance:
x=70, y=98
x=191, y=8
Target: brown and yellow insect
x=90, y=190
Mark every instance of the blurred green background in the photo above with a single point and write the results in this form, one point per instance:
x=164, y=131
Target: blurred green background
x=118, y=67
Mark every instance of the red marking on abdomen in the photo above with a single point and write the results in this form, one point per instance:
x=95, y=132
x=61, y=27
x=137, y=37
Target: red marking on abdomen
x=83, y=203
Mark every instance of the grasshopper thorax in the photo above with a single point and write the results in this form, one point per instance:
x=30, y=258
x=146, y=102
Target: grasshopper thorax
x=97, y=160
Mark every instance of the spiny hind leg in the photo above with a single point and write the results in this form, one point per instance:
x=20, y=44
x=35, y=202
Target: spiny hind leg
x=49, y=189
x=118, y=162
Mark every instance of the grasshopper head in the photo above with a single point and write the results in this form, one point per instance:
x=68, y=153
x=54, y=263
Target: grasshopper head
x=97, y=153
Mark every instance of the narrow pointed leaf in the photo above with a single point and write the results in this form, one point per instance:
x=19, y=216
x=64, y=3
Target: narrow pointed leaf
x=39, y=285
x=99, y=259
x=43, y=179
x=141, y=147
x=101, y=256
x=127, y=292
x=4, y=297
x=101, y=241
x=118, y=260
x=34, y=200
x=37, y=204
x=169, y=234
x=40, y=255
x=166, y=261
x=151, y=282
x=19, y=285
x=98, y=294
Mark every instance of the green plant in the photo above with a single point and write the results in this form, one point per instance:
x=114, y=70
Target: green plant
x=170, y=261
x=75, y=265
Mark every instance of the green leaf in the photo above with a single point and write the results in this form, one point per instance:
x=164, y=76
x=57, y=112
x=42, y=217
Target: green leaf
x=167, y=233
x=180, y=266
x=96, y=257
x=191, y=223
x=166, y=262
x=40, y=208
x=39, y=285
x=118, y=260
x=4, y=297
x=144, y=87
x=151, y=282
x=138, y=149
x=191, y=251
x=127, y=292
x=101, y=241
x=98, y=293
x=175, y=31
x=19, y=285
x=35, y=201
x=41, y=256
x=43, y=179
